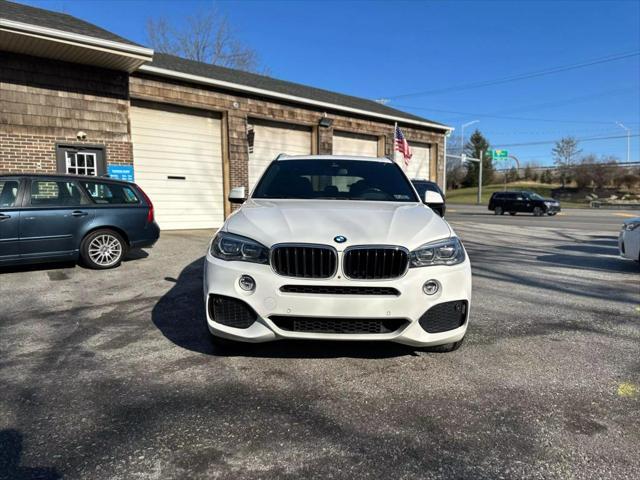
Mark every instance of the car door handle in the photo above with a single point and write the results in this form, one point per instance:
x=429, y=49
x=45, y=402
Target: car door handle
x=4, y=216
x=78, y=213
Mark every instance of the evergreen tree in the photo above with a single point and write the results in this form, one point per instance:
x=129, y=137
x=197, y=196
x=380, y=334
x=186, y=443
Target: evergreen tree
x=475, y=147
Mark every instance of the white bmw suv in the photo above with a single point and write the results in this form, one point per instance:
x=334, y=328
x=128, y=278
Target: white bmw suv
x=337, y=248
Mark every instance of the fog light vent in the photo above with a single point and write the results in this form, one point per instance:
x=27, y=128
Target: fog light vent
x=444, y=316
x=231, y=311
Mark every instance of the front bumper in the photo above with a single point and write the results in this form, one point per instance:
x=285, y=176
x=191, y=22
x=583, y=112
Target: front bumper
x=627, y=247
x=267, y=300
x=553, y=209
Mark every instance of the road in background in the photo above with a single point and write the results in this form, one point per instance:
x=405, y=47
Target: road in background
x=572, y=218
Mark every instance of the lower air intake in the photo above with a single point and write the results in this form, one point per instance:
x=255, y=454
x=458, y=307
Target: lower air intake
x=338, y=325
x=231, y=311
x=444, y=316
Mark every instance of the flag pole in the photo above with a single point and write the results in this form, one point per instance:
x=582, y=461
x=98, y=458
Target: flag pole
x=393, y=145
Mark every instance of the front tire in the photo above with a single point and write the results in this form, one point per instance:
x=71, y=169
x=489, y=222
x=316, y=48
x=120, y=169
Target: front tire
x=103, y=249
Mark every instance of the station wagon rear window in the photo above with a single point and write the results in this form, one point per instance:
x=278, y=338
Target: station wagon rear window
x=111, y=193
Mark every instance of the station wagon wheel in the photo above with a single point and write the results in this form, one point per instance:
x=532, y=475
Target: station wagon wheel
x=537, y=212
x=498, y=211
x=103, y=249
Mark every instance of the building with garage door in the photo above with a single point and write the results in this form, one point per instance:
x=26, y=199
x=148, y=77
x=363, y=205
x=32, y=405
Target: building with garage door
x=76, y=98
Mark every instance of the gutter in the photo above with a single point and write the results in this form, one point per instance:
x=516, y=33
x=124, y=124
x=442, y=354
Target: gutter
x=136, y=51
x=163, y=72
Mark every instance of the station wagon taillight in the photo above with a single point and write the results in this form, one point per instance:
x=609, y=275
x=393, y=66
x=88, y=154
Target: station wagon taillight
x=150, y=215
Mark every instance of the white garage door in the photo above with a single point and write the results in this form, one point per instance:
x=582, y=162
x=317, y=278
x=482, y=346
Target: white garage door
x=345, y=143
x=177, y=160
x=272, y=138
x=419, y=164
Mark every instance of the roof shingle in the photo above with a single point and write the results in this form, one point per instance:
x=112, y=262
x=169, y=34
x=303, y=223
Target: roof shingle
x=58, y=21
x=178, y=64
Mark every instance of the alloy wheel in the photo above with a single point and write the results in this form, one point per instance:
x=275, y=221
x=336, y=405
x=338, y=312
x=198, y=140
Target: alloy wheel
x=105, y=250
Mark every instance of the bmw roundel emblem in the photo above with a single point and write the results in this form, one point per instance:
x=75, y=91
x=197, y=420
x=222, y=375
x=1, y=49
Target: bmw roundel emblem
x=339, y=239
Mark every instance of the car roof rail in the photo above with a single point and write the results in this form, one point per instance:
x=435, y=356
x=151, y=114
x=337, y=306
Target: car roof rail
x=281, y=155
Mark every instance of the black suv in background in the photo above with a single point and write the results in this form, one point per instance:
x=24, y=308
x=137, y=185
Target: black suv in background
x=422, y=186
x=523, y=202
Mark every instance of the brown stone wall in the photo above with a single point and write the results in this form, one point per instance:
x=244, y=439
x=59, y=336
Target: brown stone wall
x=45, y=102
x=240, y=108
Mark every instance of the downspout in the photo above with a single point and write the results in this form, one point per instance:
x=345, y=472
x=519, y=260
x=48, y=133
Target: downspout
x=444, y=173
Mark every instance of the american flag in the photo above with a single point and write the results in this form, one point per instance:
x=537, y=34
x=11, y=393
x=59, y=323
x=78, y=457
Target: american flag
x=402, y=146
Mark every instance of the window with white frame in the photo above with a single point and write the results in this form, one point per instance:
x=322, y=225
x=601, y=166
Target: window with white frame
x=81, y=163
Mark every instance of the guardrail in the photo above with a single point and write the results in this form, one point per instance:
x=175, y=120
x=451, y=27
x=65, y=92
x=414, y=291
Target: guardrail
x=616, y=206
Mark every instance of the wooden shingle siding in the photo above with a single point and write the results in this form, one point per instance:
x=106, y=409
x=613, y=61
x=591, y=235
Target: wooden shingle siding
x=44, y=103
x=62, y=98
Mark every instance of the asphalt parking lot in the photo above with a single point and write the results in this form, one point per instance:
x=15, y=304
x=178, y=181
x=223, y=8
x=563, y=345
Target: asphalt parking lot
x=110, y=375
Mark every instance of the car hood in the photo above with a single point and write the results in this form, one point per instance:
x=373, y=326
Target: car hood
x=319, y=221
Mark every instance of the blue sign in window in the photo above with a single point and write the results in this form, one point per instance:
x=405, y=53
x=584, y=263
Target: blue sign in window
x=121, y=172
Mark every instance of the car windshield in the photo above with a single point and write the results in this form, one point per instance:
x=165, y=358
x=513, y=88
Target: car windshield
x=335, y=179
x=535, y=196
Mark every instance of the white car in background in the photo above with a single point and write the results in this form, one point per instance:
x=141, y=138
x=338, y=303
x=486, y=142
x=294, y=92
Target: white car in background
x=629, y=239
x=337, y=248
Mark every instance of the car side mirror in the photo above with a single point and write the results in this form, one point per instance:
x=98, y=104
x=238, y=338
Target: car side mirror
x=237, y=195
x=433, y=198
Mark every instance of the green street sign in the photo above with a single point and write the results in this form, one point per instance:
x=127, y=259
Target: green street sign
x=499, y=154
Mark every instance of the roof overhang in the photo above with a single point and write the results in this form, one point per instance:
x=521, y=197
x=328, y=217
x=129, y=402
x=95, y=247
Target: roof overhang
x=283, y=96
x=45, y=42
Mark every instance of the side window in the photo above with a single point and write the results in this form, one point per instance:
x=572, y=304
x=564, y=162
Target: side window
x=8, y=192
x=111, y=193
x=52, y=193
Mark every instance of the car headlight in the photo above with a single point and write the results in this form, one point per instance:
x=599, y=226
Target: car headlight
x=228, y=246
x=549, y=204
x=630, y=226
x=442, y=252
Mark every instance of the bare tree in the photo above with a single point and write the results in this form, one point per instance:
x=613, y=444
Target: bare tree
x=565, y=153
x=604, y=171
x=582, y=173
x=205, y=37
